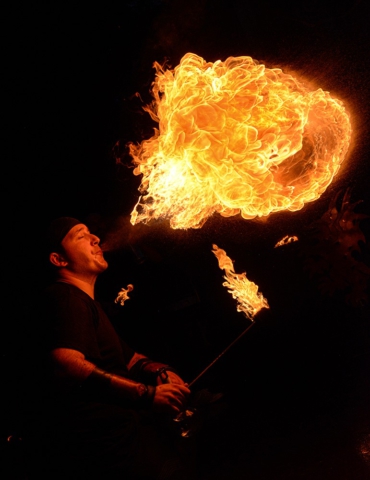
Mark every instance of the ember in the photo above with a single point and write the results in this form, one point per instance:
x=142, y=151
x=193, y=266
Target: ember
x=250, y=301
x=235, y=137
x=286, y=240
x=123, y=294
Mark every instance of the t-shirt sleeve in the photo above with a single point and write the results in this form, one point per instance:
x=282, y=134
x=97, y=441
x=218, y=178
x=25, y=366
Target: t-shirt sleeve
x=71, y=324
x=128, y=352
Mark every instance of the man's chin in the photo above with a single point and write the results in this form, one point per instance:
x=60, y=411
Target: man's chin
x=103, y=265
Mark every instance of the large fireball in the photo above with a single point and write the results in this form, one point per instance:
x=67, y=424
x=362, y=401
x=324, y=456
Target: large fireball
x=235, y=137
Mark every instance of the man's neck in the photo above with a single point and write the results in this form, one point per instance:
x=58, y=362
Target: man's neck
x=87, y=285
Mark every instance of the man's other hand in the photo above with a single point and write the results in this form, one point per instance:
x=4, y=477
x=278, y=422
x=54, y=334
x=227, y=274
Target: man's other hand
x=170, y=398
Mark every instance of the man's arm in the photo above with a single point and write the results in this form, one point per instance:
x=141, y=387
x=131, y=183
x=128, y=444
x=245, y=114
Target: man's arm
x=71, y=367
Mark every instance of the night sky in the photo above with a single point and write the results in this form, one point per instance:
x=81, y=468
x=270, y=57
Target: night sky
x=74, y=100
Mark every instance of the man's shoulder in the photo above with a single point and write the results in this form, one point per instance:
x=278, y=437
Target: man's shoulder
x=67, y=302
x=65, y=287
x=63, y=290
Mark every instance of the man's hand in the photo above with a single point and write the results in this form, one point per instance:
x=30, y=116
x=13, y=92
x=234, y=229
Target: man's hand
x=170, y=398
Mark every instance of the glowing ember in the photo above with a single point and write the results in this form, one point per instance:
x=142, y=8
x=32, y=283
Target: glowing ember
x=250, y=301
x=286, y=240
x=235, y=137
x=123, y=294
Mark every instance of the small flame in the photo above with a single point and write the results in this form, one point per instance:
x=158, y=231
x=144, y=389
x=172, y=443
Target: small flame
x=235, y=137
x=250, y=301
x=286, y=240
x=123, y=294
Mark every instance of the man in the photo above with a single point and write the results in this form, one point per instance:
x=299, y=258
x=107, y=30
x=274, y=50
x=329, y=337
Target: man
x=103, y=404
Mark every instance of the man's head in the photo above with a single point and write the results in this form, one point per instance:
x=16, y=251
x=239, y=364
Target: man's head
x=73, y=249
x=57, y=230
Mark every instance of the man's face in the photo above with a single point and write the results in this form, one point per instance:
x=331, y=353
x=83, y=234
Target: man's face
x=82, y=251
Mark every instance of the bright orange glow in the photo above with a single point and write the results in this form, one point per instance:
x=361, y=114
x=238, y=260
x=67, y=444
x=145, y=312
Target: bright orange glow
x=235, y=137
x=250, y=301
x=286, y=240
x=123, y=294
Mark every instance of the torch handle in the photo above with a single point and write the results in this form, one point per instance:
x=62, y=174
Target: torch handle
x=220, y=355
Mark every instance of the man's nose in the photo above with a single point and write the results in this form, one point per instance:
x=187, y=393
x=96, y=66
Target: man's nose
x=95, y=240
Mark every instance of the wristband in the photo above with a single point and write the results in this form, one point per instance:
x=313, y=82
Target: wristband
x=147, y=370
x=162, y=374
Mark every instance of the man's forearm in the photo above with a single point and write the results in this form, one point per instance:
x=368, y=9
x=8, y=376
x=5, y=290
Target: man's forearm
x=119, y=388
x=71, y=368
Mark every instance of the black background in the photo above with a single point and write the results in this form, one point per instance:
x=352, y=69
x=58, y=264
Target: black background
x=296, y=388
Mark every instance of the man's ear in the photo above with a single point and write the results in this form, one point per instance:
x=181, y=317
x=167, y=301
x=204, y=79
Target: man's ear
x=57, y=259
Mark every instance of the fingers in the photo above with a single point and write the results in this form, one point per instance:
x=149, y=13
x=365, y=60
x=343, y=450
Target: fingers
x=171, y=397
x=178, y=395
x=173, y=378
x=175, y=388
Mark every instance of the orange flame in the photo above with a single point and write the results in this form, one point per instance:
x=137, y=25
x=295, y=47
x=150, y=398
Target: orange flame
x=123, y=294
x=235, y=137
x=250, y=301
x=286, y=240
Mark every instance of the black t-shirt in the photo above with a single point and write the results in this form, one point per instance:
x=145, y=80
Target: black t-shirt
x=74, y=320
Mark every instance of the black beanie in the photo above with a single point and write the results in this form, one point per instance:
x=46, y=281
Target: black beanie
x=57, y=230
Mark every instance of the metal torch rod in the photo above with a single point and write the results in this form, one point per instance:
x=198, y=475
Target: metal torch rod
x=221, y=354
